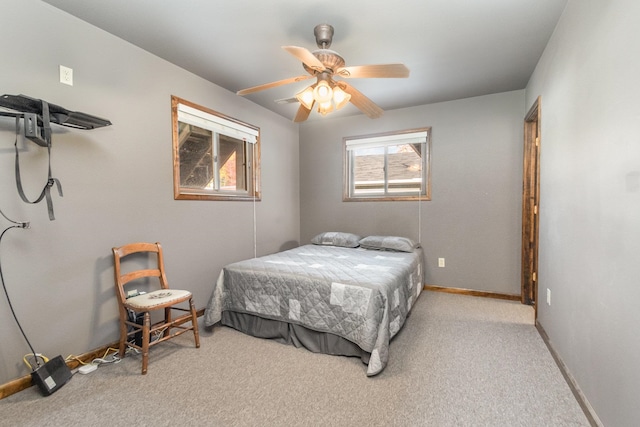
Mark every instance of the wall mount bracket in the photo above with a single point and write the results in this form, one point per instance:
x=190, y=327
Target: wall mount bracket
x=32, y=111
x=38, y=115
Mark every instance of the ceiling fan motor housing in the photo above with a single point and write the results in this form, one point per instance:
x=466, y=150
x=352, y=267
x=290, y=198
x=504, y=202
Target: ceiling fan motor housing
x=324, y=35
x=330, y=59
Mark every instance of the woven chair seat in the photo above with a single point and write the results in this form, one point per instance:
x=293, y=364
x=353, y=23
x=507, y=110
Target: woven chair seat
x=157, y=298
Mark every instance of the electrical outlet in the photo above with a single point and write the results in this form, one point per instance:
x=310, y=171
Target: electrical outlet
x=548, y=296
x=66, y=75
x=440, y=262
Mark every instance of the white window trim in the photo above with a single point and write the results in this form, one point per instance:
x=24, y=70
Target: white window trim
x=387, y=140
x=193, y=116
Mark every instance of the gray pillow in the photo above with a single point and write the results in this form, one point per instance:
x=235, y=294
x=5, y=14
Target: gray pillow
x=389, y=243
x=337, y=238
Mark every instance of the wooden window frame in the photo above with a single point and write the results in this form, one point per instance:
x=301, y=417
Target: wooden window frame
x=251, y=150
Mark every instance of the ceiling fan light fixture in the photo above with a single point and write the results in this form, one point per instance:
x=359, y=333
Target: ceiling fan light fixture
x=325, y=107
x=340, y=97
x=322, y=92
x=306, y=97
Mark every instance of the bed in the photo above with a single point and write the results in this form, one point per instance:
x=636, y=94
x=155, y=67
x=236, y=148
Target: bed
x=338, y=295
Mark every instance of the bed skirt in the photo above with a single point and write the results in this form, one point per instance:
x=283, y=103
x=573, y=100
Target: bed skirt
x=290, y=333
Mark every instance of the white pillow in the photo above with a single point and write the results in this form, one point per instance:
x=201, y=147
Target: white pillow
x=337, y=238
x=389, y=243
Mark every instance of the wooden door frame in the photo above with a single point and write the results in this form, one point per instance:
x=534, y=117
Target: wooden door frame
x=531, y=205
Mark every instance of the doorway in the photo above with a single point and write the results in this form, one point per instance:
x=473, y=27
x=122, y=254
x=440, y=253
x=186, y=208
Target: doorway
x=531, y=205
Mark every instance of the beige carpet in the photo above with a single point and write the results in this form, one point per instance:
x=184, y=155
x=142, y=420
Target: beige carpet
x=458, y=361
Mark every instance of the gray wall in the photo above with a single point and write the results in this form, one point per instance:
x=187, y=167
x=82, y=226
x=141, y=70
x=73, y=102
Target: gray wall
x=590, y=206
x=117, y=184
x=118, y=188
x=474, y=217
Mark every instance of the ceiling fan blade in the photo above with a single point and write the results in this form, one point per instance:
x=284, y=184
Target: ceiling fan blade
x=374, y=71
x=273, y=84
x=366, y=105
x=306, y=57
x=286, y=100
x=303, y=113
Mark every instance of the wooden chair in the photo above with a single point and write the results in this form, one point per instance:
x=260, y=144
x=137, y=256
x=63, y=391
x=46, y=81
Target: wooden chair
x=163, y=298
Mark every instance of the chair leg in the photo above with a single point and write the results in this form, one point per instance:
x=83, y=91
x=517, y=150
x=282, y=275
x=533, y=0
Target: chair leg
x=145, y=342
x=194, y=322
x=167, y=320
x=123, y=336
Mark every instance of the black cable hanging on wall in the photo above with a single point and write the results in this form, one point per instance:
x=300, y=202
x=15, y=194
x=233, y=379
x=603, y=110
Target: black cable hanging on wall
x=17, y=224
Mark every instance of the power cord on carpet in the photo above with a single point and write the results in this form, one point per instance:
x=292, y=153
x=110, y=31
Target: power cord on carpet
x=107, y=358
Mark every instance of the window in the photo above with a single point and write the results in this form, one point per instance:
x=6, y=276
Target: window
x=391, y=166
x=215, y=157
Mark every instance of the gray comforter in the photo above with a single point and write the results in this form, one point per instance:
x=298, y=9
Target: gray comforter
x=361, y=295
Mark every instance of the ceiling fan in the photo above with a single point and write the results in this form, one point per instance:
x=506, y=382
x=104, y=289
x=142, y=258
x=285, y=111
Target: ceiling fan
x=327, y=92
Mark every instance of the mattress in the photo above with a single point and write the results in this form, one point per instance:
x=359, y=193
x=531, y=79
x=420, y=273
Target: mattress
x=361, y=295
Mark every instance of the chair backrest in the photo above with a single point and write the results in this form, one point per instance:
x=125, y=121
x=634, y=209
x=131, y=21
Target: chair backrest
x=121, y=279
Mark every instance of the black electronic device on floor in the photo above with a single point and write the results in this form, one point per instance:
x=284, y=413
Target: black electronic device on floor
x=51, y=376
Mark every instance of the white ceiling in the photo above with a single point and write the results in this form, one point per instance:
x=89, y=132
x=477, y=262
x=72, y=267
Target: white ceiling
x=454, y=48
